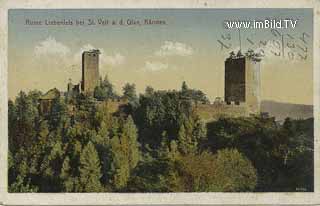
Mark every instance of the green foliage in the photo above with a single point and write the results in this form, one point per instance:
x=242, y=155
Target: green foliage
x=191, y=133
x=58, y=117
x=22, y=119
x=155, y=176
x=21, y=185
x=233, y=172
x=197, y=96
x=198, y=172
x=185, y=142
x=297, y=155
x=161, y=112
x=129, y=92
x=269, y=147
x=125, y=154
x=228, y=171
x=159, y=144
x=149, y=91
x=90, y=170
x=105, y=90
x=130, y=132
x=66, y=176
x=120, y=163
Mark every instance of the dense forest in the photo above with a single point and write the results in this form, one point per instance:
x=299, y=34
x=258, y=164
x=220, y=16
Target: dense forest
x=155, y=142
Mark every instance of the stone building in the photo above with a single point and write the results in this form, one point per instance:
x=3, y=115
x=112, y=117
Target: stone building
x=46, y=101
x=73, y=89
x=242, y=81
x=90, y=71
x=241, y=89
x=90, y=79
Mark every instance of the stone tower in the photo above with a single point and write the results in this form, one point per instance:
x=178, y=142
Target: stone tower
x=242, y=81
x=90, y=70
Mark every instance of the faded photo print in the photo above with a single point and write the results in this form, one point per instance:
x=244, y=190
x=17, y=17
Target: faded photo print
x=160, y=100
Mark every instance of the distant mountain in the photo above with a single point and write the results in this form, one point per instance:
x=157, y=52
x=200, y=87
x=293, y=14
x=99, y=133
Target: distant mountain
x=282, y=110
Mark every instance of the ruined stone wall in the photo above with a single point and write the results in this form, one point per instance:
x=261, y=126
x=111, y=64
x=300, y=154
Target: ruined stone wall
x=211, y=112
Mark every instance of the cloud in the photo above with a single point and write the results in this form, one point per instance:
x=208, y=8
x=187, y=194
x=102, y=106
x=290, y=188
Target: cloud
x=155, y=66
x=78, y=55
x=86, y=47
x=114, y=60
x=170, y=48
x=51, y=47
x=55, y=55
x=63, y=61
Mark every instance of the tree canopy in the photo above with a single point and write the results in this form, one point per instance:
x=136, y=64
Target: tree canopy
x=159, y=144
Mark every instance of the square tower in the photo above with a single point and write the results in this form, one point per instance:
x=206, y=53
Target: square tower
x=242, y=82
x=90, y=70
x=235, y=80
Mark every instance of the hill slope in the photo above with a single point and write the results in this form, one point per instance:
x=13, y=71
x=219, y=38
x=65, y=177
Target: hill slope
x=282, y=110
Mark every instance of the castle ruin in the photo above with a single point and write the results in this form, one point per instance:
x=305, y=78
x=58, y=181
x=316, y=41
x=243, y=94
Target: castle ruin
x=90, y=70
x=241, y=86
x=242, y=82
x=90, y=74
x=241, y=89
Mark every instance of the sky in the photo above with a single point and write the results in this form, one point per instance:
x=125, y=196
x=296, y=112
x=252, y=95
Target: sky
x=187, y=47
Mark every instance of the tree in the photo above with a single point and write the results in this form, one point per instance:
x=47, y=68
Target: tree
x=125, y=153
x=197, y=171
x=27, y=115
x=296, y=144
x=130, y=132
x=69, y=183
x=193, y=95
x=233, y=172
x=99, y=93
x=21, y=185
x=173, y=150
x=105, y=90
x=184, y=87
x=158, y=112
x=58, y=117
x=149, y=91
x=191, y=133
x=12, y=126
x=19, y=180
x=108, y=87
x=129, y=92
x=184, y=141
x=89, y=168
x=255, y=137
x=47, y=164
x=199, y=132
x=158, y=175
x=160, y=146
x=120, y=168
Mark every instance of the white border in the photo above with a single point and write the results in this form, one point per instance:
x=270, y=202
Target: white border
x=152, y=198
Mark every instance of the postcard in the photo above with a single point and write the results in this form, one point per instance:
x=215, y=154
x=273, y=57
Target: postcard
x=160, y=105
